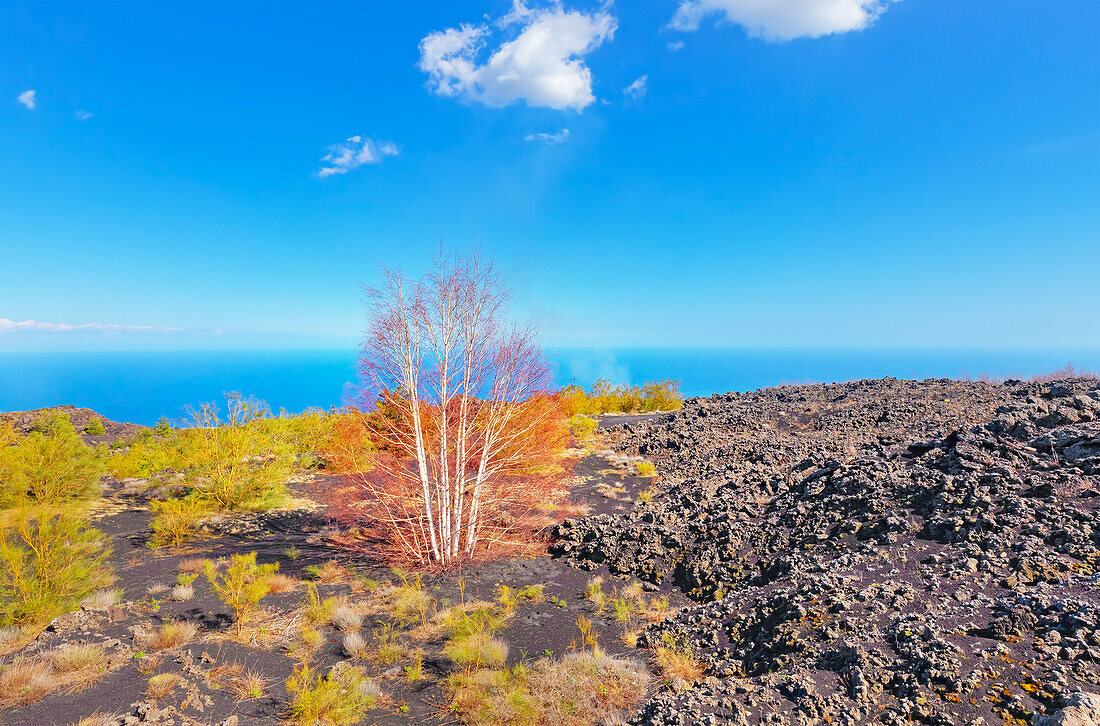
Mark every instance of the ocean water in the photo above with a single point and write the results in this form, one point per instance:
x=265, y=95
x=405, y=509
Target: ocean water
x=140, y=387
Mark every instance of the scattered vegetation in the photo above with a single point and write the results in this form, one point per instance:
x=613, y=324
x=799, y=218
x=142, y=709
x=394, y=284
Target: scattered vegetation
x=585, y=686
x=603, y=397
x=242, y=585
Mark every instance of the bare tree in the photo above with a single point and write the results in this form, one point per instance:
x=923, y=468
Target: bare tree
x=464, y=428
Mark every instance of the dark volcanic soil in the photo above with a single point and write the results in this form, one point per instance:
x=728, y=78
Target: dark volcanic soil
x=880, y=551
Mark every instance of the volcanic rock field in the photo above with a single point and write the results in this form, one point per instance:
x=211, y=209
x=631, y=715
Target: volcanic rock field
x=881, y=551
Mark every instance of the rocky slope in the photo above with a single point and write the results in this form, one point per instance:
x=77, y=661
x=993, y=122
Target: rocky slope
x=880, y=551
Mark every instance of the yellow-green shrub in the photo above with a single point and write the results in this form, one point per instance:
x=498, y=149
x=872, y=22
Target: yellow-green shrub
x=47, y=565
x=242, y=585
x=581, y=426
x=603, y=397
x=175, y=520
x=337, y=697
x=49, y=465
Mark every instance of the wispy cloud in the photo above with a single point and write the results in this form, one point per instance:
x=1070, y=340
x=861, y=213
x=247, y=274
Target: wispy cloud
x=676, y=45
x=782, y=19
x=83, y=115
x=636, y=89
x=539, y=59
x=8, y=325
x=354, y=153
x=27, y=99
x=548, y=138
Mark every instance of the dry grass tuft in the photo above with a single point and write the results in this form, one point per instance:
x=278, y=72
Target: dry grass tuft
x=172, y=634
x=11, y=636
x=77, y=656
x=249, y=687
x=355, y=646
x=26, y=680
x=162, y=684
x=330, y=572
x=182, y=592
x=101, y=599
x=232, y=677
x=277, y=583
x=98, y=719
x=345, y=617
x=72, y=667
x=192, y=565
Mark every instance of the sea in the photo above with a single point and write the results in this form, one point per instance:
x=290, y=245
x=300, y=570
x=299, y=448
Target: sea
x=142, y=387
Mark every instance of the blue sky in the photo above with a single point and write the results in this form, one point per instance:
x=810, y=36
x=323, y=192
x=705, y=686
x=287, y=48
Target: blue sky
x=816, y=173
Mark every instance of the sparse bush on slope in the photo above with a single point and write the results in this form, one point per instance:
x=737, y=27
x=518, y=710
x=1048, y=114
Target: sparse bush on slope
x=47, y=565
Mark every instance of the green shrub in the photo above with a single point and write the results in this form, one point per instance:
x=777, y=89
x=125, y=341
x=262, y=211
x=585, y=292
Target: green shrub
x=338, y=697
x=49, y=465
x=581, y=426
x=175, y=520
x=242, y=585
x=47, y=565
x=163, y=427
x=646, y=468
x=95, y=427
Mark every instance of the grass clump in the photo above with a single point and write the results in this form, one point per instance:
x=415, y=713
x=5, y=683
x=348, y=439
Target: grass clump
x=345, y=617
x=646, y=468
x=48, y=564
x=171, y=634
x=48, y=466
x=603, y=397
x=330, y=572
x=677, y=663
x=162, y=684
x=340, y=697
x=242, y=585
x=102, y=599
x=314, y=609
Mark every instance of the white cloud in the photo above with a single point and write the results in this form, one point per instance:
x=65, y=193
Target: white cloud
x=557, y=138
x=83, y=115
x=636, y=89
x=27, y=99
x=676, y=45
x=353, y=153
x=29, y=326
x=540, y=62
x=782, y=19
